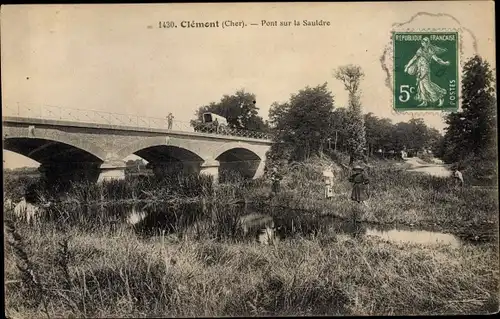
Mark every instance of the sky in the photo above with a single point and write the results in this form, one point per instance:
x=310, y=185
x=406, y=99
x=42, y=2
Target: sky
x=114, y=58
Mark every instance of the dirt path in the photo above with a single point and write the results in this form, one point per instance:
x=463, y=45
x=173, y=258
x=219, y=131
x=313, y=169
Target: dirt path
x=436, y=169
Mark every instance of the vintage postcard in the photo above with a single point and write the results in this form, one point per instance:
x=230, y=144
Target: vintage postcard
x=250, y=159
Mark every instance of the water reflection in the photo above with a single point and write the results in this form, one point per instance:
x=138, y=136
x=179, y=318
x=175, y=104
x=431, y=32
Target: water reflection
x=258, y=226
x=198, y=218
x=416, y=237
x=261, y=224
x=135, y=215
x=151, y=219
x=256, y=221
x=266, y=228
x=349, y=227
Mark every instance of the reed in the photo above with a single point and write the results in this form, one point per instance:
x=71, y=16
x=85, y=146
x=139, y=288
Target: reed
x=118, y=274
x=93, y=265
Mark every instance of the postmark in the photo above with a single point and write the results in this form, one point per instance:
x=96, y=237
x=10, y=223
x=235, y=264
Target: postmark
x=426, y=70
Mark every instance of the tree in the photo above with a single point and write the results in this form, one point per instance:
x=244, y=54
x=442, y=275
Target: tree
x=378, y=133
x=434, y=140
x=303, y=124
x=479, y=106
x=239, y=109
x=414, y=135
x=277, y=114
x=340, y=133
x=351, y=76
x=472, y=132
x=419, y=134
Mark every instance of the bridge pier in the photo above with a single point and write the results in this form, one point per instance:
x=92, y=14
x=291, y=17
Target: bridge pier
x=112, y=170
x=260, y=169
x=211, y=168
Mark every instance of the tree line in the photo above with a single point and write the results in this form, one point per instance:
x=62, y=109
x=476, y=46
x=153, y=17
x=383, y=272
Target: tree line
x=305, y=131
x=310, y=122
x=470, y=140
x=239, y=109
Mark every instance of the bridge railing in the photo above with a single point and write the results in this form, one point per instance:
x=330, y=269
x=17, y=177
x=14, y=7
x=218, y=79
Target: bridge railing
x=50, y=112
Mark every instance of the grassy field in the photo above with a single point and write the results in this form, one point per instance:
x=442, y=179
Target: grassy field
x=68, y=270
x=397, y=197
x=119, y=275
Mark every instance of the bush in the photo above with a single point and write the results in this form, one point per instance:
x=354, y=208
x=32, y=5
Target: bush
x=477, y=170
x=426, y=157
x=15, y=186
x=136, y=188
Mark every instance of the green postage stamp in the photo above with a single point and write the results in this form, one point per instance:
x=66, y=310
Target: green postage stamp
x=426, y=71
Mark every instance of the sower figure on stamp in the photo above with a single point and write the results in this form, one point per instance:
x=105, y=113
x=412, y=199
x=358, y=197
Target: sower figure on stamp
x=360, y=185
x=420, y=66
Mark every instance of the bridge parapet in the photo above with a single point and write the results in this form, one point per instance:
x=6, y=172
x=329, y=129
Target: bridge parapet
x=50, y=112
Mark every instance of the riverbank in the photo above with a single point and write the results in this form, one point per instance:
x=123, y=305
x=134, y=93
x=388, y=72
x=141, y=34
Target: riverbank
x=91, y=263
x=117, y=274
x=398, y=196
x=401, y=194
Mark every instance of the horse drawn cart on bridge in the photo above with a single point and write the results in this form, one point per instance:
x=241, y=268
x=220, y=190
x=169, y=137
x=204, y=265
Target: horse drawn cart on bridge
x=213, y=123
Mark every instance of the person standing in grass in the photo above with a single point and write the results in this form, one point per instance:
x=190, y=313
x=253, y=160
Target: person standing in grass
x=360, y=185
x=328, y=180
x=457, y=176
x=275, y=179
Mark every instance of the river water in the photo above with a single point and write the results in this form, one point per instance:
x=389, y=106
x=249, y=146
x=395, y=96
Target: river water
x=257, y=224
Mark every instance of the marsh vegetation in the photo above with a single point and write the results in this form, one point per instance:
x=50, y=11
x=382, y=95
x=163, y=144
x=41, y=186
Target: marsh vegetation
x=144, y=247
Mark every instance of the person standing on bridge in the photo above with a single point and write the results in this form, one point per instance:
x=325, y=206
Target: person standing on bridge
x=216, y=125
x=170, y=119
x=360, y=185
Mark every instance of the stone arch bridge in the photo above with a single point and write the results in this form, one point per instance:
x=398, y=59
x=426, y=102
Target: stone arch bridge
x=75, y=150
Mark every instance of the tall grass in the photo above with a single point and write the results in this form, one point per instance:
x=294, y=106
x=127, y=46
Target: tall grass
x=211, y=214
x=133, y=188
x=86, y=262
x=117, y=274
x=396, y=196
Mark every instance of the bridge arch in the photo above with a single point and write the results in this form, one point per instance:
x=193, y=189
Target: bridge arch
x=15, y=139
x=238, y=157
x=157, y=141
x=238, y=147
x=166, y=153
x=59, y=162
